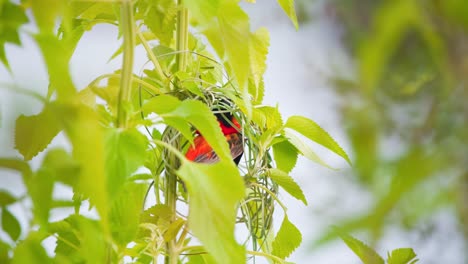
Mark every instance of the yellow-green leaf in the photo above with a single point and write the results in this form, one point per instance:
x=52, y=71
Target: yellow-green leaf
x=287, y=239
x=34, y=133
x=290, y=10
x=314, y=132
x=285, y=155
x=10, y=224
x=402, y=256
x=215, y=190
x=365, y=253
x=287, y=183
x=259, y=42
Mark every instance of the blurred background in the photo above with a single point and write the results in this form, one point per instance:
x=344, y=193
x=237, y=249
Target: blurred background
x=387, y=79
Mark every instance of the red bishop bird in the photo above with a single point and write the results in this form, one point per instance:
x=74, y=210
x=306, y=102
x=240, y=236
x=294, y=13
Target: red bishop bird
x=202, y=152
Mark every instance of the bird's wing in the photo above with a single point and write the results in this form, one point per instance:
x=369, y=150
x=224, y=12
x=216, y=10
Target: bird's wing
x=203, y=153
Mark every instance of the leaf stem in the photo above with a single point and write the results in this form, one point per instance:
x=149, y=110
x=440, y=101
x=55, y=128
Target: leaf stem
x=125, y=92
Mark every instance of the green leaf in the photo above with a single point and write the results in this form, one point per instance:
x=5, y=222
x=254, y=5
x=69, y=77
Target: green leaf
x=314, y=132
x=160, y=18
x=12, y=16
x=365, y=253
x=235, y=32
x=56, y=55
x=304, y=149
x=30, y=251
x=45, y=126
x=215, y=190
x=87, y=138
x=4, y=249
x=125, y=152
x=61, y=166
x=46, y=12
x=285, y=155
x=287, y=239
x=6, y=198
x=287, y=183
x=402, y=256
x=124, y=213
x=161, y=104
x=289, y=9
x=173, y=229
x=10, y=224
x=259, y=42
x=40, y=187
x=16, y=164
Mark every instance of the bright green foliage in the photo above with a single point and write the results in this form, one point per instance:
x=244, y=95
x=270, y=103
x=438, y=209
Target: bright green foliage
x=10, y=224
x=45, y=127
x=287, y=239
x=364, y=252
x=290, y=10
x=285, y=155
x=314, y=132
x=30, y=250
x=12, y=16
x=215, y=191
x=6, y=198
x=140, y=131
x=125, y=152
x=402, y=256
x=287, y=183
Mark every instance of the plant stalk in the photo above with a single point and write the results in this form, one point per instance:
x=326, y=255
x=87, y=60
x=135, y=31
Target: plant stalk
x=171, y=178
x=125, y=92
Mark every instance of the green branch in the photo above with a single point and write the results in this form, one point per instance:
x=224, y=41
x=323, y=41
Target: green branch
x=125, y=92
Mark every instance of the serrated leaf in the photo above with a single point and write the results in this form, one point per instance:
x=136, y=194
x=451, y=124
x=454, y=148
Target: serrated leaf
x=87, y=138
x=34, y=133
x=290, y=10
x=161, y=104
x=6, y=198
x=124, y=213
x=160, y=18
x=235, y=32
x=125, y=152
x=285, y=155
x=10, y=224
x=287, y=183
x=402, y=256
x=214, y=191
x=258, y=48
x=30, y=251
x=304, y=149
x=314, y=132
x=365, y=253
x=287, y=239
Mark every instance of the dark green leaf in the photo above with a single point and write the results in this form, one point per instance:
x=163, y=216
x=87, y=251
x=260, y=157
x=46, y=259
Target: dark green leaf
x=6, y=198
x=287, y=183
x=45, y=126
x=10, y=224
x=214, y=190
x=314, y=132
x=287, y=239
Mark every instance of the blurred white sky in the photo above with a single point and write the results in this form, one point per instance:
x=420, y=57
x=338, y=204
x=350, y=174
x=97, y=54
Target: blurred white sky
x=296, y=78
